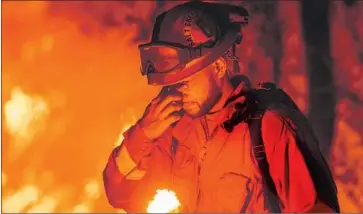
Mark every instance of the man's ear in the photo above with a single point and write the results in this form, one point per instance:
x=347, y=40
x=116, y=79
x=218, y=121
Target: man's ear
x=220, y=67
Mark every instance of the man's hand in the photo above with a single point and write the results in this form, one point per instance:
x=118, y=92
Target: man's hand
x=161, y=113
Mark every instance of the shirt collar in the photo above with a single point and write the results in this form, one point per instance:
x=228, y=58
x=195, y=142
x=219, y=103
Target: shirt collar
x=228, y=109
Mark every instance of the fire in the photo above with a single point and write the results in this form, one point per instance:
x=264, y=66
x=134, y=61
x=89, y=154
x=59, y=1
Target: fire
x=81, y=208
x=22, y=110
x=25, y=116
x=165, y=201
x=21, y=199
x=47, y=204
x=92, y=189
x=125, y=127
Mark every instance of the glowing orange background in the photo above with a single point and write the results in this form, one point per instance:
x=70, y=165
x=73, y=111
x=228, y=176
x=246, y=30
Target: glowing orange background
x=71, y=85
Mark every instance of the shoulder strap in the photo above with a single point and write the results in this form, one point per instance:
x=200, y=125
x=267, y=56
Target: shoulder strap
x=269, y=188
x=252, y=112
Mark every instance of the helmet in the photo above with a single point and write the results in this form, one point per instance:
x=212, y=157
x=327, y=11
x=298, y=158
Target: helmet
x=188, y=38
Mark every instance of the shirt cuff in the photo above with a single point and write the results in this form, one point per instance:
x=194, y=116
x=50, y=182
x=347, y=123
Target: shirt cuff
x=127, y=166
x=137, y=143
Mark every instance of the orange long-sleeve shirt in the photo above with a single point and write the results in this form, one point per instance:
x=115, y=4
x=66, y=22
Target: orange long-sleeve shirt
x=219, y=175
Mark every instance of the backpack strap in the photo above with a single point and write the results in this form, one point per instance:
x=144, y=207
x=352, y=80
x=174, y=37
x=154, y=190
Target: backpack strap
x=269, y=189
x=251, y=111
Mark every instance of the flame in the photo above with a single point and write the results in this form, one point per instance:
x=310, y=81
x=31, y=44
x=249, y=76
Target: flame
x=92, y=189
x=81, y=208
x=120, y=211
x=125, y=127
x=165, y=201
x=46, y=205
x=345, y=199
x=17, y=202
x=24, y=117
x=21, y=110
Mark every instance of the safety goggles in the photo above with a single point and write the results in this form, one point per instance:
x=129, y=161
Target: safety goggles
x=164, y=57
x=167, y=63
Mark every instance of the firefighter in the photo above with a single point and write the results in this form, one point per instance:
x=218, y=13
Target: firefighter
x=180, y=144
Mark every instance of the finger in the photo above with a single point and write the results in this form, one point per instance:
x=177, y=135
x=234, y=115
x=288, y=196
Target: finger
x=154, y=101
x=170, y=108
x=163, y=103
x=163, y=92
x=172, y=119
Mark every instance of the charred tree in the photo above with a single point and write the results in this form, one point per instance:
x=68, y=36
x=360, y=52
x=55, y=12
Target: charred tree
x=322, y=94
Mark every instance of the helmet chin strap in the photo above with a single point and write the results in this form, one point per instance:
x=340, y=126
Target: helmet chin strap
x=235, y=62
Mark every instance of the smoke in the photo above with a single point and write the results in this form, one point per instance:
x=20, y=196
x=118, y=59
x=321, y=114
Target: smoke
x=95, y=17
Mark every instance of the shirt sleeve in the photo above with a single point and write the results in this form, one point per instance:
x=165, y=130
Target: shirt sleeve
x=135, y=146
x=287, y=165
x=134, y=170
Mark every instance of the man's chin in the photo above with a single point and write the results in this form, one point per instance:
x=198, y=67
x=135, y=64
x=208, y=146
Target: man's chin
x=193, y=112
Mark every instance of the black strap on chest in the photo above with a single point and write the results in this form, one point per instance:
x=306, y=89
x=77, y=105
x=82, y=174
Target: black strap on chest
x=269, y=189
x=252, y=112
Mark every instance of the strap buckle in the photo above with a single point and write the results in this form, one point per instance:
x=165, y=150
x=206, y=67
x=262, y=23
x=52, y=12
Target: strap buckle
x=259, y=152
x=255, y=116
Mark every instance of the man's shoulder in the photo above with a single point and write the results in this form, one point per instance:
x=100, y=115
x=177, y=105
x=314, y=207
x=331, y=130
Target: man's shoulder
x=273, y=117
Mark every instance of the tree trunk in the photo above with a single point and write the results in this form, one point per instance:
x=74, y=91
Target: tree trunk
x=322, y=95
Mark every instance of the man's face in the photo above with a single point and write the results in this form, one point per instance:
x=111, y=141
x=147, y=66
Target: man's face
x=200, y=92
